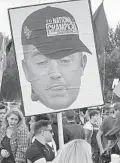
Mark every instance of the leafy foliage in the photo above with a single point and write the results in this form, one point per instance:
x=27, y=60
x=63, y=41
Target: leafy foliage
x=10, y=87
x=110, y=63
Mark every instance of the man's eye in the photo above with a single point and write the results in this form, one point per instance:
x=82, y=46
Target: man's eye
x=42, y=62
x=66, y=60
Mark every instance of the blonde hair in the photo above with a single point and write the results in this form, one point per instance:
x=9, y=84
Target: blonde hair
x=16, y=112
x=76, y=151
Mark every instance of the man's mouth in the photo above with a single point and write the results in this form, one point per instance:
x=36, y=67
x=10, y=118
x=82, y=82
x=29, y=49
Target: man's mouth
x=57, y=90
x=56, y=87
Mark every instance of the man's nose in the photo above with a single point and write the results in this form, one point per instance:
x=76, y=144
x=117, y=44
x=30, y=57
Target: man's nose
x=54, y=70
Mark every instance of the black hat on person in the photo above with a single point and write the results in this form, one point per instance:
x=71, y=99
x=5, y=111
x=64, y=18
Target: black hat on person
x=53, y=31
x=111, y=135
x=70, y=114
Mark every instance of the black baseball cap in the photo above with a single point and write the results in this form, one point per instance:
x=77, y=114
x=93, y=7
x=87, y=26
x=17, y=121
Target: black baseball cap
x=53, y=31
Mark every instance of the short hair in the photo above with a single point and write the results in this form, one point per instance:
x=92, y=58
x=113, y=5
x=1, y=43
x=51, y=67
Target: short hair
x=41, y=117
x=93, y=113
x=76, y=151
x=53, y=117
x=40, y=125
x=44, y=117
x=70, y=115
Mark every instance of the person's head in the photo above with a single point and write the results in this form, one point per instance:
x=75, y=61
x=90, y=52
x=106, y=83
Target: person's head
x=32, y=121
x=64, y=120
x=114, y=133
x=14, y=118
x=94, y=114
x=53, y=56
x=53, y=117
x=36, y=118
x=3, y=110
x=76, y=151
x=112, y=112
x=43, y=129
x=105, y=113
x=70, y=115
x=117, y=110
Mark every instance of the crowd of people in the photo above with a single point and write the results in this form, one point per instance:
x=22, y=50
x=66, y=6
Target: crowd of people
x=54, y=61
x=89, y=137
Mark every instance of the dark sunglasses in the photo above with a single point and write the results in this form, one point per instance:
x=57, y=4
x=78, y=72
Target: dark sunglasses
x=51, y=131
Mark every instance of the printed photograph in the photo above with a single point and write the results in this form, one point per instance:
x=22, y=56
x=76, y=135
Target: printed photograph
x=56, y=56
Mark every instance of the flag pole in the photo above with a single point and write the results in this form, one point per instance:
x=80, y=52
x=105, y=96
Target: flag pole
x=112, y=97
x=104, y=74
x=60, y=130
x=104, y=59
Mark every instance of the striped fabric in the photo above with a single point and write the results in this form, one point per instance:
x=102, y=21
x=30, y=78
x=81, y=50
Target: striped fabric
x=19, y=142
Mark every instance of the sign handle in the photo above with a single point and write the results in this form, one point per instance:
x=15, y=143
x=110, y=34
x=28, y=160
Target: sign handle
x=60, y=130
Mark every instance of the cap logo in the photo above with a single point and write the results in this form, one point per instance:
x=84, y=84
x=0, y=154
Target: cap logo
x=60, y=26
x=27, y=32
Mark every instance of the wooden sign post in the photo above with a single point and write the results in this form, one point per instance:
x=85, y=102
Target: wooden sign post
x=60, y=130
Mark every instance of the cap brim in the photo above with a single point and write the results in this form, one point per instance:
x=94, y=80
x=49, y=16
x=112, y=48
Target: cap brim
x=111, y=135
x=61, y=49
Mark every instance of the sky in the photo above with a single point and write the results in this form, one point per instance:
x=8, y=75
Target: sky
x=112, y=10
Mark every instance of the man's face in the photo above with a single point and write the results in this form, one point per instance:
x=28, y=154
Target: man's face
x=2, y=114
x=32, y=122
x=48, y=133
x=105, y=115
x=55, y=82
x=96, y=117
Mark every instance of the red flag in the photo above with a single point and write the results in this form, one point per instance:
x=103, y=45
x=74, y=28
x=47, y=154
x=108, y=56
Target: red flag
x=100, y=26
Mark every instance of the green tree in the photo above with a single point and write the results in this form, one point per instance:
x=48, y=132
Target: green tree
x=10, y=87
x=111, y=44
x=117, y=35
x=110, y=62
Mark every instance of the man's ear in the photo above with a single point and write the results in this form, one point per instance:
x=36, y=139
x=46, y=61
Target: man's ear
x=83, y=62
x=25, y=70
x=42, y=132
